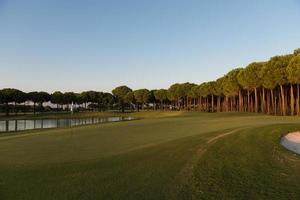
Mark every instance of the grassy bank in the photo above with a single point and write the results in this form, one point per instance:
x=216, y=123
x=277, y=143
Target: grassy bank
x=57, y=115
x=167, y=155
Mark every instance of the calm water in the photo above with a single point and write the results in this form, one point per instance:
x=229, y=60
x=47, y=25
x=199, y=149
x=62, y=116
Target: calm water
x=20, y=125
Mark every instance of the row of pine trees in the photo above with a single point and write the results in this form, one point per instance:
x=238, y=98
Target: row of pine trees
x=270, y=87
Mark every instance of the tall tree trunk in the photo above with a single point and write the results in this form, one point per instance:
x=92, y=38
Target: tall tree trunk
x=297, y=100
x=248, y=100
x=231, y=104
x=240, y=101
x=282, y=101
x=186, y=103
x=256, y=100
x=6, y=109
x=250, y=106
x=272, y=102
x=292, y=99
x=234, y=104
x=34, y=108
x=268, y=103
x=263, y=101
x=212, y=103
x=286, y=91
x=226, y=104
x=218, y=104
x=275, y=101
x=275, y=104
x=15, y=107
x=200, y=104
x=122, y=107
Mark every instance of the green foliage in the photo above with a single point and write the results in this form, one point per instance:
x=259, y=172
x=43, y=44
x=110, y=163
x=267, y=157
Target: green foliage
x=108, y=100
x=142, y=95
x=121, y=92
x=129, y=97
x=33, y=96
x=267, y=77
x=293, y=70
x=242, y=79
x=185, y=89
x=57, y=98
x=39, y=97
x=250, y=77
x=8, y=95
x=231, y=85
x=173, y=92
x=43, y=97
x=219, y=86
x=161, y=94
x=69, y=97
x=297, y=51
x=193, y=92
x=207, y=88
x=84, y=97
x=279, y=70
x=20, y=96
x=277, y=67
x=79, y=98
x=197, y=90
x=204, y=89
x=93, y=96
x=212, y=85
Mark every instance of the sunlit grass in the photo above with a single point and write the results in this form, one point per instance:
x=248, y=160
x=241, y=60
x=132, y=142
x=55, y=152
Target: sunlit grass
x=165, y=155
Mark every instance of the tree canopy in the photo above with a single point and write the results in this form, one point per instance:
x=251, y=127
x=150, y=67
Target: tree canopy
x=231, y=84
x=293, y=69
x=269, y=85
x=142, y=95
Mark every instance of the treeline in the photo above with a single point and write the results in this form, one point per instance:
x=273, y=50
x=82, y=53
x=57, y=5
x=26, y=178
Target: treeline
x=270, y=87
x=14, y=100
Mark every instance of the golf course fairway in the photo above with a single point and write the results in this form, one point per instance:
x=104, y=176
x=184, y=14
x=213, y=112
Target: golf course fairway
x=165, y=155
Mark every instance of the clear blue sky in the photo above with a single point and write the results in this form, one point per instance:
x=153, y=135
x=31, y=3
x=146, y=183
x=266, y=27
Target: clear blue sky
x=79, y=45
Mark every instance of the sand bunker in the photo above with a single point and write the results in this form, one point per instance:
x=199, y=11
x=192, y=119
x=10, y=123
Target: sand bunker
x=292, y=142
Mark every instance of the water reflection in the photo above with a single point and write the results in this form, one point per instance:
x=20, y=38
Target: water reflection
x=20, y=125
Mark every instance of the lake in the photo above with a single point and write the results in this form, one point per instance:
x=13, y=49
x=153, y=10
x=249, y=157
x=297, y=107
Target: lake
x=24, y=124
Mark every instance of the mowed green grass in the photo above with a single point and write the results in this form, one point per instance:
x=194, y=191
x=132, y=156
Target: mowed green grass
x=166, y=155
